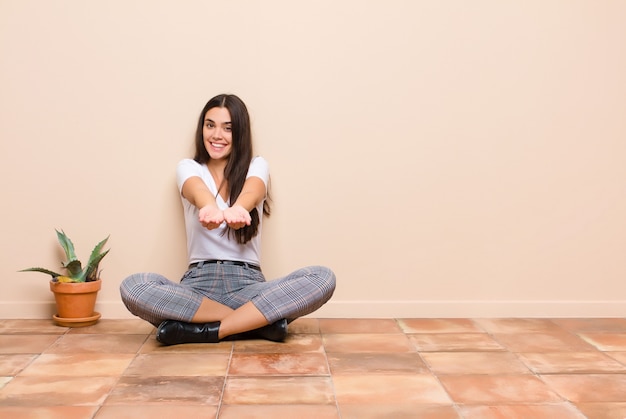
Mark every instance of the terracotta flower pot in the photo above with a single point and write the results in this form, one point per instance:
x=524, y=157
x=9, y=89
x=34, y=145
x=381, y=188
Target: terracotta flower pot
x=75, y=302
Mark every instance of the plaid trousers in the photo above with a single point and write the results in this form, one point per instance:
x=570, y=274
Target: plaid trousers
x=155, y=298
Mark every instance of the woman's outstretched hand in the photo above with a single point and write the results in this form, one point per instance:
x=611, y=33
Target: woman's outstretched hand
x=210, y=217
x=237, y=217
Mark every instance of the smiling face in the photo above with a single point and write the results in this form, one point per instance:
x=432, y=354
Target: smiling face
x=217, y=133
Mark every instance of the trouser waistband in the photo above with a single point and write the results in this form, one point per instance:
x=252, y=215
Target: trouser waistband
x=226, y=262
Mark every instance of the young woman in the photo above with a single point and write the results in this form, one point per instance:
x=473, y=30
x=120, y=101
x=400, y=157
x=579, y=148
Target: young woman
x=223, y=294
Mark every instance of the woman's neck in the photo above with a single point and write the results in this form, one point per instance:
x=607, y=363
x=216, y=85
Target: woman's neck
x=217, y=166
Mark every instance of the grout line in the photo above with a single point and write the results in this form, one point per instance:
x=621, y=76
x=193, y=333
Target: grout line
x=330, y=373
x=226, y=375
x=428, y=367
x=119, y=377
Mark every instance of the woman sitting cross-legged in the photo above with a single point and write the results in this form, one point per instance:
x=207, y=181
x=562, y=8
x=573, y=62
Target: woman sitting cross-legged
x=224, y=294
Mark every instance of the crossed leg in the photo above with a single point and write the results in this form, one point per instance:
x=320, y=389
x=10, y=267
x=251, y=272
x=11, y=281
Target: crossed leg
x=245, y=318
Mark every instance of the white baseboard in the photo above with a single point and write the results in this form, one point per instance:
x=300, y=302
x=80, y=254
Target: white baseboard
x=382, y=309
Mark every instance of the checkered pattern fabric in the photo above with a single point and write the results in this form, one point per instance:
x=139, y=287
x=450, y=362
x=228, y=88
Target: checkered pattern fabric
x=154, y=298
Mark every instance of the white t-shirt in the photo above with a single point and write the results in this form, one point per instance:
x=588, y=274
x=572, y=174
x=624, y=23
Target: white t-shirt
x=203, y=244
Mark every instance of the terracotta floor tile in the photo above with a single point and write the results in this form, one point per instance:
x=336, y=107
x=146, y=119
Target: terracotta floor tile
x=474, y=363
x=156, y=411
x=544, y=342
x=392, y=389
x=606, y=341
x=56, y=391
x=80, y=364
x=439, y=326
x=132, y=390
x=449, y=342
x=118, y=327
x=616, y=325
x=309, y=411
x=304, y=325
x=278, y=390
x=152, y=346
x=376, y=363
x=118, y=344
x=498, y=389
x=327, y=368
x=31, y=327
x=397, y=411
x=244, y=364
x=359, y=326
x=589, y=387
x=547, y=411
x=359, y=342
x=515, y=325
x=603, y=410
x=53, y=412
x=571, y=362
x=294, y=343
x=26, y=344
x=179, y=364
x=13, y=364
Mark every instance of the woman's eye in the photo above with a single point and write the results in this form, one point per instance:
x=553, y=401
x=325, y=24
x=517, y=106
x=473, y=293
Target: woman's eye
x=228, y=129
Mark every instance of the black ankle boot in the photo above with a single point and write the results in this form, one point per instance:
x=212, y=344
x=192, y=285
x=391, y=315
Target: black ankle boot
x=276, y=332
x=172, y=332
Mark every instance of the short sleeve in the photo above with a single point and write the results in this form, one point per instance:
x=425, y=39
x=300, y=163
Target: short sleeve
x=259, y=168
x=185, y=169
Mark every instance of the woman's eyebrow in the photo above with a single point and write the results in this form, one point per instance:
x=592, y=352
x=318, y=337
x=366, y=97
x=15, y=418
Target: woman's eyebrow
x=213, y=122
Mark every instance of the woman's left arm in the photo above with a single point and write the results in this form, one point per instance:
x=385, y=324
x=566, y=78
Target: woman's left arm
x=252, y=194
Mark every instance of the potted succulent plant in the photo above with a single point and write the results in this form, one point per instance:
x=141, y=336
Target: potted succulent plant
x=75, y=292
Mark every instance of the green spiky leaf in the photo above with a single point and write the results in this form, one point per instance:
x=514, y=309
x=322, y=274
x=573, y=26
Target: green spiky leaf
x=67, y=245
x=91, y=271
x=42, y=270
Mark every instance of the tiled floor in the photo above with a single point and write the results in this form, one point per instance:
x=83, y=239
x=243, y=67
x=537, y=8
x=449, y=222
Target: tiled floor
x=328, y=368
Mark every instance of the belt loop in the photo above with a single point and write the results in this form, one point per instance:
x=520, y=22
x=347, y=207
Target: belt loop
x=200, y=264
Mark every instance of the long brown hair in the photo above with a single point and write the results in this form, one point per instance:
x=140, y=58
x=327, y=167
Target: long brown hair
x=239, y=160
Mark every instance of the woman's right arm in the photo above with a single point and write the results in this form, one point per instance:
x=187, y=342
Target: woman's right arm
x=198, y=194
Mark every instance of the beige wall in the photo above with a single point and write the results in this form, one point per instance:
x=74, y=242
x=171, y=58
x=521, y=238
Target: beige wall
x=445, y=158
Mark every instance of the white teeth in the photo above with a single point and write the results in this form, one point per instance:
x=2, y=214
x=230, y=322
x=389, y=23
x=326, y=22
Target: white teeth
x=217, y=145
